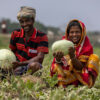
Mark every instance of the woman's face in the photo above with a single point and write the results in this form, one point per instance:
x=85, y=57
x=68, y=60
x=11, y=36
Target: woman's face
x=75, y=34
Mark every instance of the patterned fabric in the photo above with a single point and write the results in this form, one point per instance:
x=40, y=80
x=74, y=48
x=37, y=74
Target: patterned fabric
x=25, y=50
x=84, y=53
x=26, y=12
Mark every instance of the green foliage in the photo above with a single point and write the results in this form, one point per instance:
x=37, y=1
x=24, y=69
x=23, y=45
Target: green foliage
x=14, y=88
x=57, y=94
x=4, y=41
x=48, y=58
x=97, y=51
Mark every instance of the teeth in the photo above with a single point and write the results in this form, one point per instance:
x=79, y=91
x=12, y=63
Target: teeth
x=74, y=38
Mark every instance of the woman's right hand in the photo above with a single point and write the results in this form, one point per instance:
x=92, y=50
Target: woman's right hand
x=58, y=55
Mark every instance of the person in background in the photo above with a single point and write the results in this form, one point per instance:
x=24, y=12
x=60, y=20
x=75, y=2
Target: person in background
x=4, y=27
x=82, y=66
x=28, y=44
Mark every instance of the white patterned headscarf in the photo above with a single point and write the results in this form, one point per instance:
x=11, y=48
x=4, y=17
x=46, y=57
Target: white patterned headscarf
x=27, y=12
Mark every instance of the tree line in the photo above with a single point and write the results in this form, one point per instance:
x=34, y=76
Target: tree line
x=15, y=25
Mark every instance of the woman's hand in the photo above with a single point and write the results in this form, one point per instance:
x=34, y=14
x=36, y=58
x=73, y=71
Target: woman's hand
x=58, y=55
x=71, y=52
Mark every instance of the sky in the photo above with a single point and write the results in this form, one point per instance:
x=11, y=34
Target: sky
x=56, y=13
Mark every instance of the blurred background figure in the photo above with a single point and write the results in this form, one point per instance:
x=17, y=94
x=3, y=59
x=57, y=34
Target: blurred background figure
x=4, y=27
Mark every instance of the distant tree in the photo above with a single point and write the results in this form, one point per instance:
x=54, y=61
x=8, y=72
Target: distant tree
x=10, y=25
x=53, y=29
x=40, y=26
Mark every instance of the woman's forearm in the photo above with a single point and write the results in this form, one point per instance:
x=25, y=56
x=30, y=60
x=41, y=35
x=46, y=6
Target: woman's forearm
x=76, y=63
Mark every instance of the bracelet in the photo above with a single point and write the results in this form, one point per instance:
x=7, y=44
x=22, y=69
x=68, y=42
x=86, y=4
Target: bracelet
x=58, y=61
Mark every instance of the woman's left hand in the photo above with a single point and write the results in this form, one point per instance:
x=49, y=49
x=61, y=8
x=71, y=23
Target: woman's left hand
x=71, y=52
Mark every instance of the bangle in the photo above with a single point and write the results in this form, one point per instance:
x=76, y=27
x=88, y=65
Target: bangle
x=58, y=61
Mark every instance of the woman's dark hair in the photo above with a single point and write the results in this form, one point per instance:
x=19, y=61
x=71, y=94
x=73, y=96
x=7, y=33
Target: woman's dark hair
x=73, y=23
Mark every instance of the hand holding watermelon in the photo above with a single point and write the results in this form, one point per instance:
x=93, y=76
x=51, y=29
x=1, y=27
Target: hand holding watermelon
x=62, y=45
x=58, y=55
x=71, y=52
x=62, y=48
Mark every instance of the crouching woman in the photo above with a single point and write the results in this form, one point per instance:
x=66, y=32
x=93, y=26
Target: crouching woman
x=82, y=65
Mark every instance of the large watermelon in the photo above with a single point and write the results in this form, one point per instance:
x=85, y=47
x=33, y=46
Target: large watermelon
x=62, y=45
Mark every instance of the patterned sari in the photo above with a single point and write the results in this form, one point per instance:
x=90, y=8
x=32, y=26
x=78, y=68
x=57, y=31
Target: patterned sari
x=68, y=75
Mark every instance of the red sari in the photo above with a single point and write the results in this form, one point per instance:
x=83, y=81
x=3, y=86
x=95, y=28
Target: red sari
x=84, y=53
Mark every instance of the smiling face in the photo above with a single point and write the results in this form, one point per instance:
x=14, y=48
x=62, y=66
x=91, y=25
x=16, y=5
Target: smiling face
x=26, y=24
x=75, y=34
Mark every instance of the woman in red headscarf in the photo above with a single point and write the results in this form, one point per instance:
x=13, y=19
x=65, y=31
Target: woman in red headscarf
x=83, y=65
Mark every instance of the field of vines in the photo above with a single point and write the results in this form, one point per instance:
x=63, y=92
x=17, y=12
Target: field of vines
x=40, y=86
